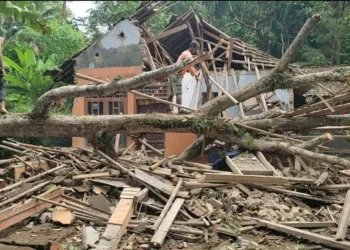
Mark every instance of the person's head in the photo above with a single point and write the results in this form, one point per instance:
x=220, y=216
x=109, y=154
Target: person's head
x=194, y=46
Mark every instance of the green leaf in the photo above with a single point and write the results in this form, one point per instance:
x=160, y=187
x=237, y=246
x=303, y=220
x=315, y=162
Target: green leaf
x=12, y=79
x=14, y=65
x=29, y=56
x=20, y=56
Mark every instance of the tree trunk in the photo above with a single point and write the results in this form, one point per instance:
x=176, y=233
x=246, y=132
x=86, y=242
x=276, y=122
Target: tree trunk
x=64, y=12
x=275, y=146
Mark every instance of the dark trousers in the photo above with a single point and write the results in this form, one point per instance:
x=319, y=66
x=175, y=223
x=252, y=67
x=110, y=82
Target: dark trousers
x=2, y=88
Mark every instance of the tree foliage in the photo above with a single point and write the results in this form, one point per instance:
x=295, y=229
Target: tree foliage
x=25, y=80
x=62, y=43
x=23, y=12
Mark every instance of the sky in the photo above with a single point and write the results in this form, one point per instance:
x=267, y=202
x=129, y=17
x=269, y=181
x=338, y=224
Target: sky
x=80, y=9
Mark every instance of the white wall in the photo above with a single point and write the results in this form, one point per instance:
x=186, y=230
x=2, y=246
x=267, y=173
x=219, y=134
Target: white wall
x=245, y=78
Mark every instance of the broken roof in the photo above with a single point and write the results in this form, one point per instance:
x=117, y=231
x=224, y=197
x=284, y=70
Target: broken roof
x=166, y=46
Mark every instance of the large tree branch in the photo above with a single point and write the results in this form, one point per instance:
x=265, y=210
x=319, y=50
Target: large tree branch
x=270, y=83
x=273, y=146
x=296, y=45
x=299, y=123
x=42, y=105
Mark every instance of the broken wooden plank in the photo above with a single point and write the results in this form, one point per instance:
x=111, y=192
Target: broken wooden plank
x=35, y=177
x=159, y=236
x=119, y=220
x=161, y=186
x=142, y=195
x=24, y=194
x=168, y=204
x=222, y=178
x=327, y=241
x=157, y=164
x=313, y=224
x=93, y=175
x=75, y=209
x=117, y=184
x=166, y=33
x=344, y=219
x=30, y=207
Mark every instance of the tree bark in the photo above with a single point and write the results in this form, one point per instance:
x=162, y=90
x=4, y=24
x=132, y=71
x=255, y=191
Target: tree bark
x=299, y=123
x=41, y=107
x=270, y=83
x=273, y=146
x=315, y=141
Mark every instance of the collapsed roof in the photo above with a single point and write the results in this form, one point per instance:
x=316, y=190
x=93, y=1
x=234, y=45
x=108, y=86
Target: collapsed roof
x=166, y=46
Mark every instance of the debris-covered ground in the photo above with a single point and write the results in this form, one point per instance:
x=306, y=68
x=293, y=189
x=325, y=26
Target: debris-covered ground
x=165, y=203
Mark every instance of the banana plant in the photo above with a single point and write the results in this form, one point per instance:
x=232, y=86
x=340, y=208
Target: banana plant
x=24, y=11
x=25, y=80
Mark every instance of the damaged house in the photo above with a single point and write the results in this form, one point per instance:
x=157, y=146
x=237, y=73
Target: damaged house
x=131, y=48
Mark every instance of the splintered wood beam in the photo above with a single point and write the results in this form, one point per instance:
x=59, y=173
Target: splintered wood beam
x=327, y=241
x=344, y=219
x=159, y=185
x=119, y=220
x=163, y=229
x=168, y=205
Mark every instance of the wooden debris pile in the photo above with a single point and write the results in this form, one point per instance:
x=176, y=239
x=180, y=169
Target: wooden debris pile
x=148, y=199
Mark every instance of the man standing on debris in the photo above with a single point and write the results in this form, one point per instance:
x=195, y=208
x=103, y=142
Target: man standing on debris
x=2, y=81
x=176, y=79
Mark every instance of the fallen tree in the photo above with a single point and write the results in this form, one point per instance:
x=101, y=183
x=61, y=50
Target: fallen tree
x=39, y=123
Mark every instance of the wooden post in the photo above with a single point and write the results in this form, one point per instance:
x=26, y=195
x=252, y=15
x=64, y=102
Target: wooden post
x=262, y=98
x=119, y=220
x=344, y=219
x=241, y=108
x=168, y=204
x=164, y=227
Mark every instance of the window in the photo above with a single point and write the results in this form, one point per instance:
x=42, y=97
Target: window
x=116, y=107
x=95, y=108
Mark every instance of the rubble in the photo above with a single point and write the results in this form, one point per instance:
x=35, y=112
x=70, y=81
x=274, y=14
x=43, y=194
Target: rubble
x=133, y=199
